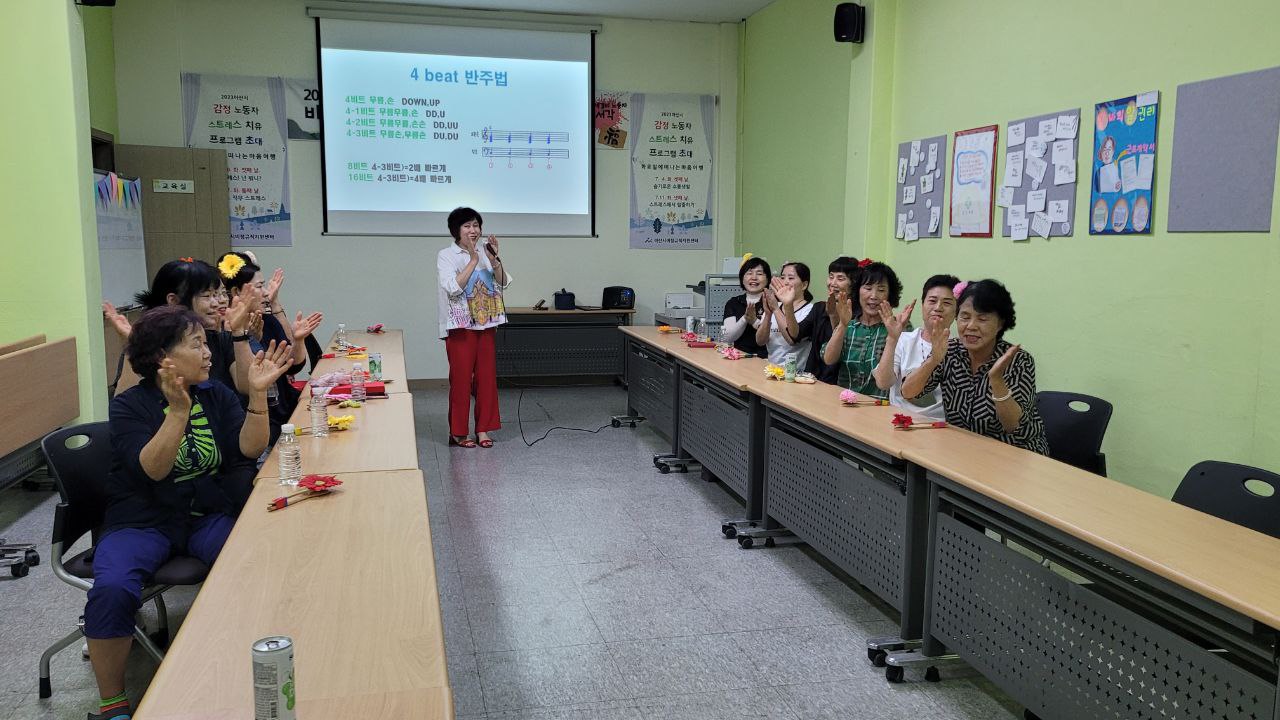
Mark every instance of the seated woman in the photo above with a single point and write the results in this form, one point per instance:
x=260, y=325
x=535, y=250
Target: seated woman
x=270, y=322
x=906, y=350
x=183, y=462
x=988, y=386
x=743, y=312
x=858, y=332
x=786, y=324
x=840, y=275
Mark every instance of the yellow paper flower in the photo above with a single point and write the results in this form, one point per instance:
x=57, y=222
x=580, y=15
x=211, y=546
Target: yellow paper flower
x=774, y=371
x=341, y=422
x=349, y=404
x=230, y=265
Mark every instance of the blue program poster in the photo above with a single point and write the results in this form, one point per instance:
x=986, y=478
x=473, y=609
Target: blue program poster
x=1124, y=163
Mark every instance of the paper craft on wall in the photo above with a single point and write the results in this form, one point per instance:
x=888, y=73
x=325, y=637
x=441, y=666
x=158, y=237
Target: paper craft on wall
x=1223, y=172
x=1124, y=161
x=1039, y=175
x=973, y=177
x=922, y=165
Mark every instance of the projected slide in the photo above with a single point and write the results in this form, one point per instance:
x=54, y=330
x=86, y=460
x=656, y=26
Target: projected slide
x=418, y=133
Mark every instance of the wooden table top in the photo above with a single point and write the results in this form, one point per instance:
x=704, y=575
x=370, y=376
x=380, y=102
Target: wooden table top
x=575, y=311
x=1224, y=562
x=349, y=577
x=382, y=438
x=389, y=342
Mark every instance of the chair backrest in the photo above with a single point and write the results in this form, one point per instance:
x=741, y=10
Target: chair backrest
x=1075, y=425
x=79, y=459
x=314, y=351
x=1222, y=489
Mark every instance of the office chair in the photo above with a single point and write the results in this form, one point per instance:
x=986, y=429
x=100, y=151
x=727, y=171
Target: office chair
x=1219, y=489
x=1075, y=435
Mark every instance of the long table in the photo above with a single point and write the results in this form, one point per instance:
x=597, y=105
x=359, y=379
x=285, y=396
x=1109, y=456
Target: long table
x=389, y=342
x=348, y=576
x=1077, y=595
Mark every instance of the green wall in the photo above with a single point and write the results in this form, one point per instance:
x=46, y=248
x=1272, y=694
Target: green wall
x=100, y=55
x=1168, y=327
x=49, y=276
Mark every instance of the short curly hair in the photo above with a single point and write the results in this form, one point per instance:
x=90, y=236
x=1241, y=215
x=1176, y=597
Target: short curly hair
x=990, y=296
x=880, y=272
x=157, y=332
x=459, y=217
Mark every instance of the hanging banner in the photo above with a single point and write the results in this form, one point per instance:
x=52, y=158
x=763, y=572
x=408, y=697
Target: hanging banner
x=1124, y=164
x=302, y=107
x=245, y=116
x=612, y=113
x=122, y=257
x=671, y=179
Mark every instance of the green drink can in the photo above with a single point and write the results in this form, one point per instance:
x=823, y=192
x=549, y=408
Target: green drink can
x=375, y=366
x=273, y=691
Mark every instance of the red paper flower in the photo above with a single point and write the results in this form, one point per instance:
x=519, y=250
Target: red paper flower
x=279, y=503
x=316, y=483
x=902, y=421
x=689, y=336
x=865, y=262
x=374, y=328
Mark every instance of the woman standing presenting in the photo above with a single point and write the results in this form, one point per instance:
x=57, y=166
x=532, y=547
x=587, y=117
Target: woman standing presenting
x=472, y=279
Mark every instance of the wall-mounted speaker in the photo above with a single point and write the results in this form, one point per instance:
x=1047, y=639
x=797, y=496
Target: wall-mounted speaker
x=850, y=22
x=96, y=3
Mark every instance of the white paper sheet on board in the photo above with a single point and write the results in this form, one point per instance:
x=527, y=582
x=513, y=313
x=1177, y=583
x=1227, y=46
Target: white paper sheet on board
x=935, y=218
x=1017, y=133
x=902, y=225
x=932, y=162
x=1036, y=146
x=1036, y=168
x=1067, y=126
x=902, y=170
x=1018, y=230
x=908, y=194
x=1017, y=213
x=926, y=184
x=1109, y=178
x=1041, y=225
x=1004, y=197
x=1064, y=151
x=1058, y=211
x=1064, y=174
x=1035, y=201
x=1049, y=130
x=1146, y=169
x=1129, y=174
x=913, y=232
x=1013, y=168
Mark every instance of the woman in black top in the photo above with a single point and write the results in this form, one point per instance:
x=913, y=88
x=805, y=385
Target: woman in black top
x=183, y=452
x=988, y=385
x=743, y=312
x=842, y=273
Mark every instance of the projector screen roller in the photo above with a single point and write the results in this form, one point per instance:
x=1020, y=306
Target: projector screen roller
x=421, y=119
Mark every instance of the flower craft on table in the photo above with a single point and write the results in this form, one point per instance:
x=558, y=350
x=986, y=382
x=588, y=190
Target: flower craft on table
x=689, y=336
x=350, y=404
x=732, y=353
x=906, y=422
x=375, y=329
x=774, y=372
x=668, y=329
x=341, y=422
x=850, y=398
x=311, y=486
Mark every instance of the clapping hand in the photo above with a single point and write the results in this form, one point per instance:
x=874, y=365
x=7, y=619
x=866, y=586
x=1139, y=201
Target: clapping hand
x=493, y=246
x=304, y=326
x=938, y=335
x=844, y=308
x=242, y=306
x=118, y=321
x=1001, y=365
x=894, y=322
x=273, y=286
x=174, y=387
x=784, y=293
x=268, y=365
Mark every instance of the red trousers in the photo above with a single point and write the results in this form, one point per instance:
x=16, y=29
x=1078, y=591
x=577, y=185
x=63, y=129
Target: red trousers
x=473, y=370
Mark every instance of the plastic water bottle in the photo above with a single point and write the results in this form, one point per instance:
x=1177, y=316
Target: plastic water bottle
x=341, y=337
x=290, y=456
x=357, y=383
x=319, y=412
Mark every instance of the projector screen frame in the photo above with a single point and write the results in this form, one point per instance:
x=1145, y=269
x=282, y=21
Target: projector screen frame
x=465, y=20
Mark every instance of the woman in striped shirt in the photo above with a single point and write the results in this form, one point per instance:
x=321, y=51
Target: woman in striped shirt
x=988, y=385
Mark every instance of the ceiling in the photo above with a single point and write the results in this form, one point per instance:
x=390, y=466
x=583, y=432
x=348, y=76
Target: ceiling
x=691, y=10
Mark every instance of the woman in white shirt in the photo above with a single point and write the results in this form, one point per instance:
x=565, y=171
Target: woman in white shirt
x=471, y=278
x=785, y=329
x=906, y=350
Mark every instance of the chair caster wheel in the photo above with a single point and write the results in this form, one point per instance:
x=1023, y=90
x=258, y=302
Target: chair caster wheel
x=931, y=674
x=19, y=569
x=663, y=469
x=631, y=425
x=893, y=674
x=617, y=424
x=32, y=557
x=745, y=543
x=876, y=657
x=729, y=531
x=768, y=542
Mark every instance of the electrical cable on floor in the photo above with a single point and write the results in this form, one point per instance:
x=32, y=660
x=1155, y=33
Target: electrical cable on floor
x=520, y=423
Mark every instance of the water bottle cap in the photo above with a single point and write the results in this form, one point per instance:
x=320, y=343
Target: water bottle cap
x=286, y=429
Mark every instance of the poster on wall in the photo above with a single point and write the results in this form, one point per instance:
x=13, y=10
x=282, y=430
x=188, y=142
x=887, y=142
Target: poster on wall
x=1038, y=185
x=612, y=118
x=973, y=181
x=921, y=165
x=122, y=257
x=245, y=116
x=1124, y=164
x=302, y=108
x=671, y=180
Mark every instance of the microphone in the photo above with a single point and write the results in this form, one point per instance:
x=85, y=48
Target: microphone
x=492, y=253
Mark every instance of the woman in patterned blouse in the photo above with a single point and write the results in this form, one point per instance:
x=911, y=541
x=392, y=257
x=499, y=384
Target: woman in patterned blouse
x=988, y=385
x=859, y=335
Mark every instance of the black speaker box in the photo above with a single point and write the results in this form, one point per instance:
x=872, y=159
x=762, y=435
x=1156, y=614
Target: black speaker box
x=850, y=22
x=96, y=3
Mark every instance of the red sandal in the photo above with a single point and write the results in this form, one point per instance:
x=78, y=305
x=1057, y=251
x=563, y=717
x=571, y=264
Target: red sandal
x=465, y=442
x=486, y=444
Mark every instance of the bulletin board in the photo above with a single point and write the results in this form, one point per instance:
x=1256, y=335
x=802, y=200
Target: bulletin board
x=1038, y=187
x=973, y=178
x=1124, y=161
x=1223, y=175
x=922, y=169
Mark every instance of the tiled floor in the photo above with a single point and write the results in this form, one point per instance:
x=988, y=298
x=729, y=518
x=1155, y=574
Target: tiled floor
x=576, y=582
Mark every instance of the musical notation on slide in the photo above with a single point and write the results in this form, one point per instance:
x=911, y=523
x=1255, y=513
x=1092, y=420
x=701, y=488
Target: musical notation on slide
x=529, y=152
x=528, y=137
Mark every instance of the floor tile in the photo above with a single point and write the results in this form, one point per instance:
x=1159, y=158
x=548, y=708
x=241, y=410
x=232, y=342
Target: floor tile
x=683, y=665
x=549, y=677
